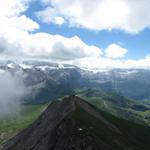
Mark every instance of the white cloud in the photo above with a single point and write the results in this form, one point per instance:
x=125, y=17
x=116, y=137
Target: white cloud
x=14, y=26
x=50, y=15
x=99, y=63
x=11, y=15
x=58, y=47
x=45, y=46
x=107, y=63
x=18, y=41
x=115, y=51
x=129, y=15
x=12, y=90
x=59, y=20
x=19, y=22
x=141, y=63
x=11, y=8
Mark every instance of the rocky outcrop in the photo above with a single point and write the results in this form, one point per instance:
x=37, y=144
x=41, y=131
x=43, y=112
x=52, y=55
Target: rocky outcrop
x=74, y=124
x=52, y=131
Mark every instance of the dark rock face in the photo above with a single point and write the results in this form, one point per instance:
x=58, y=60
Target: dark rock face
x=64, y=138
x=74, y=124
x=39, y=136
x=51, y=131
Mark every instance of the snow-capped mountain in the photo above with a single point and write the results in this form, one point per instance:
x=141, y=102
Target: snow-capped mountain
x=47, y=80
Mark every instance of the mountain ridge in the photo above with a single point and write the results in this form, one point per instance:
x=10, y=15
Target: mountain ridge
x=131, y=83
x=74, y=124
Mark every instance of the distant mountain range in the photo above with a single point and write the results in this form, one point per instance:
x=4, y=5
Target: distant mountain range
x=50, y=80
x=74, y=124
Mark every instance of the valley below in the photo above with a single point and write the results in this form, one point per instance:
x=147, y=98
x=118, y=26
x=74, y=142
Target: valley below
x=122, y=96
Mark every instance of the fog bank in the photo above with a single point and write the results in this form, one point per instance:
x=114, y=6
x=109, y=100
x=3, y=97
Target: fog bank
x=12, y=90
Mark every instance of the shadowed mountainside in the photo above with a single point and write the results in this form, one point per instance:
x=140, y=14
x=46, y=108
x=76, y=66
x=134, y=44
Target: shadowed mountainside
x=74, y=124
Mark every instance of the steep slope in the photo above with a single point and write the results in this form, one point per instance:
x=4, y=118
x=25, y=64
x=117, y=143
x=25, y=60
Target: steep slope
x=117, y=105
x=40, y=75
x=73, y=124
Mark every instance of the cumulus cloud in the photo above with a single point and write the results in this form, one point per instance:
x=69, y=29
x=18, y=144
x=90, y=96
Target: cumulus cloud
x=107, y=63
x=12, y=16
x=141, y=63
x=18, y=41
x=11, y=8
x=115, y=51
x=12, y=90
x=50, y=15
x=45, y=46
x=99, y=63
x=19, y=22
x=58, y=47
x=128, y=15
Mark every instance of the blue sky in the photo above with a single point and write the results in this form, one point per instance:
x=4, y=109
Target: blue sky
x=93, y=34
x=137, y=43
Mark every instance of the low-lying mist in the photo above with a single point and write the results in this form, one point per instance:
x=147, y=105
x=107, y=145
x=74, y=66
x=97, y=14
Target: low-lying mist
x=12, y=90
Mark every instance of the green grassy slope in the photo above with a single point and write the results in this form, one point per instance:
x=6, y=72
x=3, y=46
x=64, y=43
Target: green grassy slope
x=84, y=124
x=11, y=126
x=132, y=136
x=117, y=105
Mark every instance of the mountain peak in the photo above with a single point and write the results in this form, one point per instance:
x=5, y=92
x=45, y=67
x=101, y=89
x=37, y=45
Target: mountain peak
x=55, y=125
x=48, y=129
x=74, y=124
